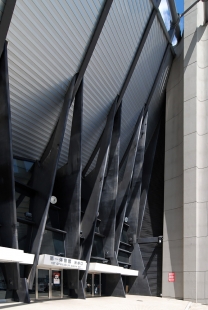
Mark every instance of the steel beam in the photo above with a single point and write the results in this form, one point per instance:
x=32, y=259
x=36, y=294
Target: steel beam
x=96, y=178
x=146, y=177
x=140, y=285
x=132, y=211
x=137, y=55
x=107, y=212
x=128, y=77
x=125, y=182
x=46, y=168
x=175, y=28
x=8, y=221
x=67, y=186
x=95, y=36
x=43, y=180
x=162, y=24
x=5, y=22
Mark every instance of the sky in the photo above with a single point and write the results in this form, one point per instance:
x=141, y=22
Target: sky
x=166, y=13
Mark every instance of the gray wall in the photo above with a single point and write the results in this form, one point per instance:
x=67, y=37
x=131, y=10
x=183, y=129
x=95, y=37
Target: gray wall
x=173, y=197
x=186, y=165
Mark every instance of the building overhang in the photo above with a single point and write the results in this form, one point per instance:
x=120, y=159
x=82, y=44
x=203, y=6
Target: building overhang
x=9, y=255
x=104, y=268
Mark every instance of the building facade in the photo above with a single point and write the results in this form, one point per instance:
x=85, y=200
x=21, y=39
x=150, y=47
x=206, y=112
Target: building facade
x=103, y=157
x=185, y=207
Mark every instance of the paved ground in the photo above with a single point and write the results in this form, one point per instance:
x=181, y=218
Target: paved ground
x=108, y=303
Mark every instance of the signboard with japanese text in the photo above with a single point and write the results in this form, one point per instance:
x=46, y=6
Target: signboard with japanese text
x=46, y=260
x=171, y=277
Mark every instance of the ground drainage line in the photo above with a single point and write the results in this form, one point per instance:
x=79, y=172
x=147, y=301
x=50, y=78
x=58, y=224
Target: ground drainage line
x=188, y=306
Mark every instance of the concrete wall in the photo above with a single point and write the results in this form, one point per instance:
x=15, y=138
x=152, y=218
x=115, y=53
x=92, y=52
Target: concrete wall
x=173, y=200
x=186, y=165
x=195, y=155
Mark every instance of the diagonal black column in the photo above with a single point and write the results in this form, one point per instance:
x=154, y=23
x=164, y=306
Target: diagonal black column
x=146, y=177
x=107, y=212
x=128, y=76
x=132, y=211
x=67, y=187
x=124, y=183
x=140, y=285
x=5, y=22
x=8, y=222
x=95, y=178
x=45, y=169
x=43, y=180
x=137, y=285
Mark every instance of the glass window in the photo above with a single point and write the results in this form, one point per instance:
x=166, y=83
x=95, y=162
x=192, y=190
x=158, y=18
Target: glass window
x=22, y=170
x=2, y=285
x=22, y=174
x=22, y=236
x=53, y=218
x=23, y=208
x=43, y=283
x=123, y=257
x=97, y=249
x=124, y=236
x=53, y=243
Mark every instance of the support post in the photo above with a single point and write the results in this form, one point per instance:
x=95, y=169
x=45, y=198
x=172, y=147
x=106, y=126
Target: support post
x=107, y=212
x=67, y=189
x=96, y=178
x=8, y=221
x=5, y=22
x=67, y=186
x=132, y=211
x=43, y=180
x=124, y=183
x=146, y=177
x=140, y=285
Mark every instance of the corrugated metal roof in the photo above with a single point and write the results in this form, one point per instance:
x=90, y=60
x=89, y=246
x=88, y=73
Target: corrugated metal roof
x=47, y=41
x=142, y=81
x=107, y=69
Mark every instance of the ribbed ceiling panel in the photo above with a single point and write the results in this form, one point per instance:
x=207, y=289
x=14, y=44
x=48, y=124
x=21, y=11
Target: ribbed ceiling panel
x=107, y=69
x=142, y=81
x=47, y=41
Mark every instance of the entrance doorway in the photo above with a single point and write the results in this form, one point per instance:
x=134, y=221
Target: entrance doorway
x=49, y=283
x=93, y=285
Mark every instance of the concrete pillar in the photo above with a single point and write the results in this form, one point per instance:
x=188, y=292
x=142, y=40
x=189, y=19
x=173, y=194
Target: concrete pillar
x=173, y=200
x=195, y=159
x=186, y=165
